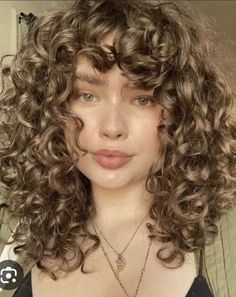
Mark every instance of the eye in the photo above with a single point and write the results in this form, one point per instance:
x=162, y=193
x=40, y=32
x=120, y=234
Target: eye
x=145, y=99
x=87, y=97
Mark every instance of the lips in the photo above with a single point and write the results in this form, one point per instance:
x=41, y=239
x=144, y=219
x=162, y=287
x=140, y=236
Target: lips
x=111, y=158
x=114, y=153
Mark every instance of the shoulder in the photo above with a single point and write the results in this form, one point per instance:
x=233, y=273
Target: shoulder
x=220, y=257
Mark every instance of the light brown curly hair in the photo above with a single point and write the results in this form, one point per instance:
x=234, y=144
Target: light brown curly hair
x=157, y=44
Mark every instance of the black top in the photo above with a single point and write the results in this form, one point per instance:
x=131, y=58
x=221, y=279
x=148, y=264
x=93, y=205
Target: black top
x=199, y=287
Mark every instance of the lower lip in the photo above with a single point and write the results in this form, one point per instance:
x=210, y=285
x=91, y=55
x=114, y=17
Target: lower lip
x=110, y=161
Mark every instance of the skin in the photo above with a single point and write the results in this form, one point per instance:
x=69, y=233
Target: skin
x=122, y=118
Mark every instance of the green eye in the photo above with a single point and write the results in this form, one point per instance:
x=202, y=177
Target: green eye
x=145, y=100
x=86, y=96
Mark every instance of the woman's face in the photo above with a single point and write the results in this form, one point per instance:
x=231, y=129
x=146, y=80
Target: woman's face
x=118, y=118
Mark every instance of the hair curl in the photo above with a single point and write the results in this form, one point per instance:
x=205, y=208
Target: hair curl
x=157, y=44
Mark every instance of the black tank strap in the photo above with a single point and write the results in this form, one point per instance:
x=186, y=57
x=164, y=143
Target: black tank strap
x=200, y=267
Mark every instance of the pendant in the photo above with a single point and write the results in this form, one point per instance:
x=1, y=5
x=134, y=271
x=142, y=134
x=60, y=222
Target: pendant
x=120, y=263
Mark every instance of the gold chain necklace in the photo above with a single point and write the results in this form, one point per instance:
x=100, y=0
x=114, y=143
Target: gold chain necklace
x=117, y=276
x=120, y=261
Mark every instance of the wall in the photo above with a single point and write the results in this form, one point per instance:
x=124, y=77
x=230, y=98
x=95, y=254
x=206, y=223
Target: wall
x=8, y=21
x=221, y=16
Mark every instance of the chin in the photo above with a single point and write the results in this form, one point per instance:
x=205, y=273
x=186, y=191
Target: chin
x=110, y=182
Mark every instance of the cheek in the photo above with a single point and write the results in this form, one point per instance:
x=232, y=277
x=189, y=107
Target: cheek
x=147, y=133
x=87, y=134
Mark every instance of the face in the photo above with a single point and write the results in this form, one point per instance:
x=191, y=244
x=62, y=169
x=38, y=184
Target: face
x=117, y=118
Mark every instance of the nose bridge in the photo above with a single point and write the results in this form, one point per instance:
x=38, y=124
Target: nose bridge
x=114, y=116
x=115, y=106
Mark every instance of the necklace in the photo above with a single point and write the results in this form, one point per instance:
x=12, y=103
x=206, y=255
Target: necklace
x=120, y=261
x=117, y=276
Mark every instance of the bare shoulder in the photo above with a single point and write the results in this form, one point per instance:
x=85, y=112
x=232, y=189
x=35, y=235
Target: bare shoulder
x=42, y=283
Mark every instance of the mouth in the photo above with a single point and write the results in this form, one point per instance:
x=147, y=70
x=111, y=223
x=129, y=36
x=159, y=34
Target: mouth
x=111, y=161
x=111, y=153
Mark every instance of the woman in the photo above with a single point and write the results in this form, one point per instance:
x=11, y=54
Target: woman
x=120, y=152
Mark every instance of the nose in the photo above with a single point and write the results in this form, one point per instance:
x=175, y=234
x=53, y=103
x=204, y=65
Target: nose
x=114, y=122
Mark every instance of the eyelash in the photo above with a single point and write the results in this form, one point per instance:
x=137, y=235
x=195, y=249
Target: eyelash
x=142, y=97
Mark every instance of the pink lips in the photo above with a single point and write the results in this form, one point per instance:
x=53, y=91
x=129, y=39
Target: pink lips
x=111, y=158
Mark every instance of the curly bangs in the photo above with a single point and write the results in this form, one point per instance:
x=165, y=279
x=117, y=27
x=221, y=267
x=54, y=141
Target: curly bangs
x=157, y=44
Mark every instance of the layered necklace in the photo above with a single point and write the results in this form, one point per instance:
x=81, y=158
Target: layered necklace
x=120, y=261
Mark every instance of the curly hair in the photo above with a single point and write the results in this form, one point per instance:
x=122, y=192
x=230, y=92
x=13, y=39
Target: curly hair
x=157, y=44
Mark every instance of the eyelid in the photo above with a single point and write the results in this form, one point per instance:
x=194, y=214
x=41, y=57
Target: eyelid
x=151, y=98
x=146, y=97
x=84, y=92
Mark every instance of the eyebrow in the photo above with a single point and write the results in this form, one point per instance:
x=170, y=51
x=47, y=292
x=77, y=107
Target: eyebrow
x=95, y=80
x=91, y=78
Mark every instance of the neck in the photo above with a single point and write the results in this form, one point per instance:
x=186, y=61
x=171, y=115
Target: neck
x=123, y=207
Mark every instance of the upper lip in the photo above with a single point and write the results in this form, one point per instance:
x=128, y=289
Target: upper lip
x=108, y=152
